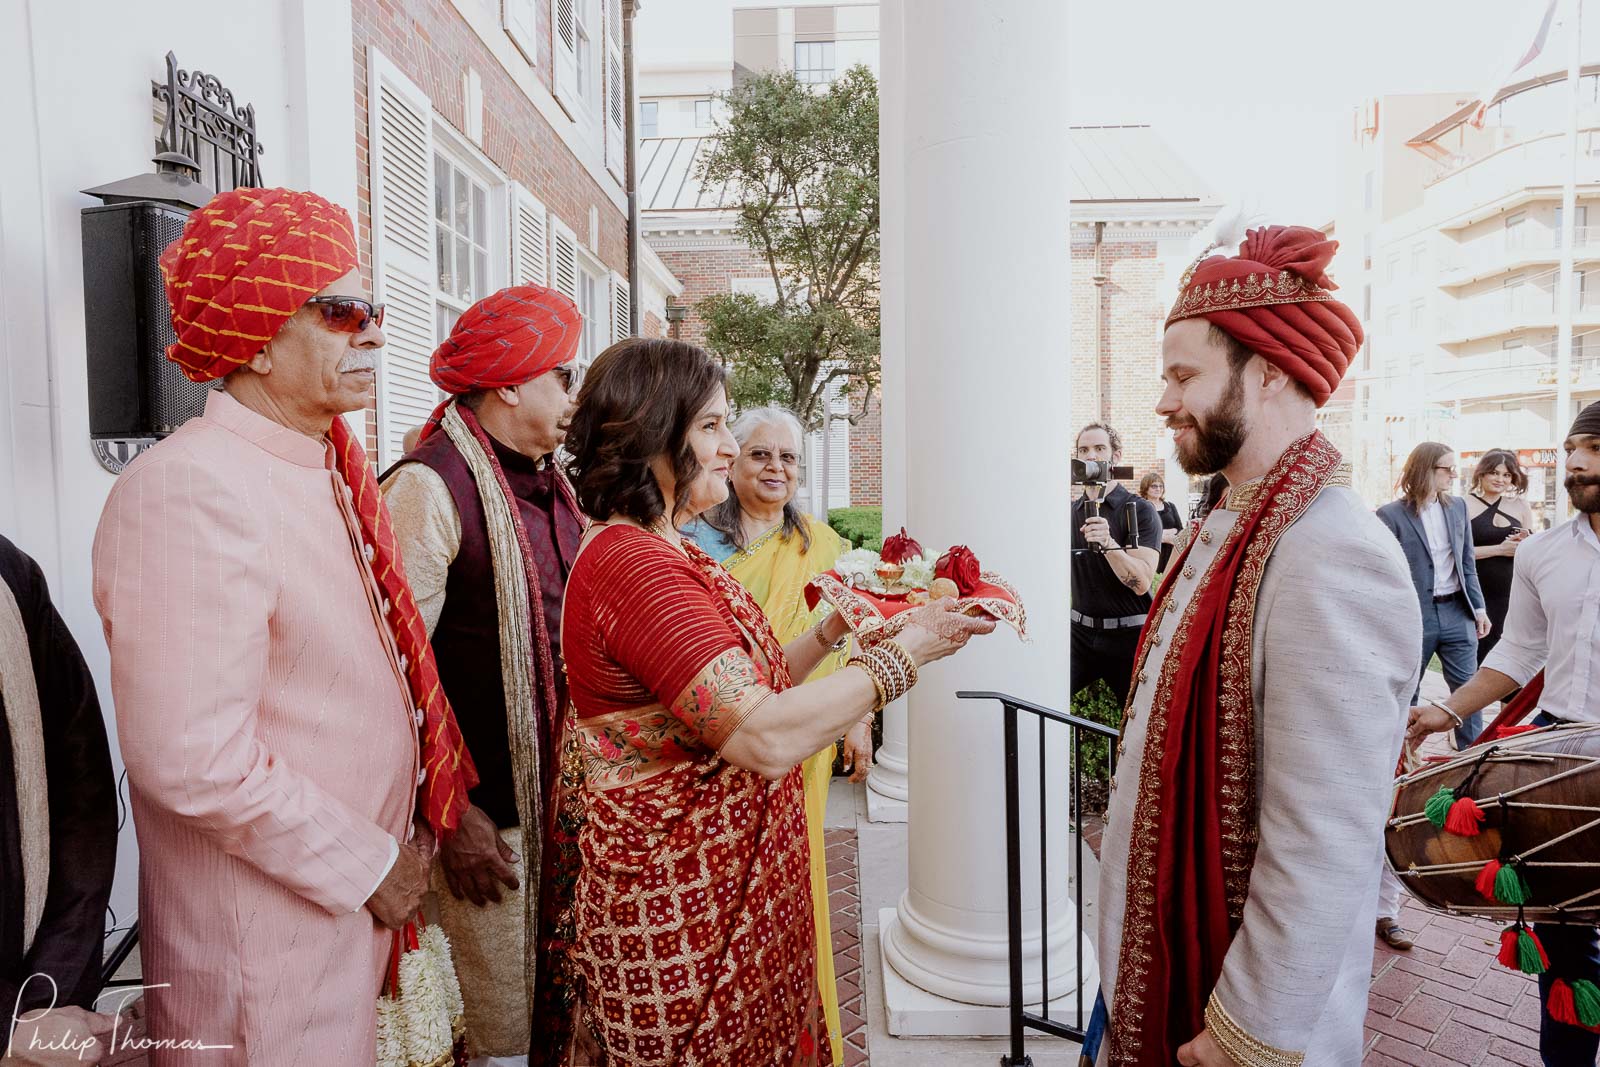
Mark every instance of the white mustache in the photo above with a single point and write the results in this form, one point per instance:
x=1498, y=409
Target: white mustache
x=358, y=359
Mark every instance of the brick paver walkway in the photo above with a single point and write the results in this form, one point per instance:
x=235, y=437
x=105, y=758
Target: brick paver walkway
x=1446, y=1003
x=844, y=902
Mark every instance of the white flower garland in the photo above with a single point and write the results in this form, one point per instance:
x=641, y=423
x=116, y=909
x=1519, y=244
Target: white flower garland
x=418, y=1023
x=919, y=573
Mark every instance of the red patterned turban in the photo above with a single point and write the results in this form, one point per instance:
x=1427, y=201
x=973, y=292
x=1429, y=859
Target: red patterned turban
x=1273, y=298
x=508, y=338
x=246, y=262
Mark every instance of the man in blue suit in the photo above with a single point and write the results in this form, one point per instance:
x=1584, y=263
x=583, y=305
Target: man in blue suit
x=1436, y=537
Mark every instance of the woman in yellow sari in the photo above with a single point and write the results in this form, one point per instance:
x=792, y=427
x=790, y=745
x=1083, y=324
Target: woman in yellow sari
x=773, y=549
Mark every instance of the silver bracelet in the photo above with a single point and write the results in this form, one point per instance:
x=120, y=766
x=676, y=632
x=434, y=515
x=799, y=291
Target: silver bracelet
x=1442, y=706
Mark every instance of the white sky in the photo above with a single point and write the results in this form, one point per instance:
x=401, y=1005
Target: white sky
x=1256, y=96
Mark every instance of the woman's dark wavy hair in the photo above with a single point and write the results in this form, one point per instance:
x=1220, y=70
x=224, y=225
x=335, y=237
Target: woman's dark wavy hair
x=1500, y=457
x=636, y=403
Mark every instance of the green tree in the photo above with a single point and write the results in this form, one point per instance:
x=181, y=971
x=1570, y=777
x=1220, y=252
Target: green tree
x=801, y=164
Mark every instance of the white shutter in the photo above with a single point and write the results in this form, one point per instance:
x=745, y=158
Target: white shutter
x=522, y=26
x=839, y=448
x=401, y=136
x=839, y=471
x=530, y=245
x=563, y=259
x=564, y=53
x=616, y=87
x=621, y=308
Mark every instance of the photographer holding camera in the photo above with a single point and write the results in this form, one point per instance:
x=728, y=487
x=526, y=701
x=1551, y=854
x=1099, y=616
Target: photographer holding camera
x=1116, y=541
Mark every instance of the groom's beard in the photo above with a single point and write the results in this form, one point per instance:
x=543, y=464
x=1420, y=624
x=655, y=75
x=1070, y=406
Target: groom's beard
x=1216, y=439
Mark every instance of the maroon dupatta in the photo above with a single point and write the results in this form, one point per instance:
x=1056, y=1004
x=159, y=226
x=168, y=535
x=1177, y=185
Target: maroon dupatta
x=1194, y=820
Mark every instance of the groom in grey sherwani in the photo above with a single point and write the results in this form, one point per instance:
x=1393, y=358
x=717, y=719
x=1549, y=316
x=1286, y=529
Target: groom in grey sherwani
x=1239, y=872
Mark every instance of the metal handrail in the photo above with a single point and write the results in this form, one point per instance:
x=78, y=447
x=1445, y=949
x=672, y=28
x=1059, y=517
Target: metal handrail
x=1021, y=1018
x=119, y=956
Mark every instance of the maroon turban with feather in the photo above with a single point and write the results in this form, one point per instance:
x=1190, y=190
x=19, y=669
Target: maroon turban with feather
x=1273, y=298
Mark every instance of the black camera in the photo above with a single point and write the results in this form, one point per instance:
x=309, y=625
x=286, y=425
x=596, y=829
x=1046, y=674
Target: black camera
x=1093, y=472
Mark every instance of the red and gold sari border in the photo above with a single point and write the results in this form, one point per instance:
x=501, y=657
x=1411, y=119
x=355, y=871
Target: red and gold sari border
x=631, y=745
x=722, y=696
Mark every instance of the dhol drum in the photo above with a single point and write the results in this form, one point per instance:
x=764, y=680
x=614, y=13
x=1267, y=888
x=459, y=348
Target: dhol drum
x=1509, y=830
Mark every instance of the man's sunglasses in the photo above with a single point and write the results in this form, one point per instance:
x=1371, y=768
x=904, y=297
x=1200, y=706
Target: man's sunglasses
x=567, y=375
x=347, y=314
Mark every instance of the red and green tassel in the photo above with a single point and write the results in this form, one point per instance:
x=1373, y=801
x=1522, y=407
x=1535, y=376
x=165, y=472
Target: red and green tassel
x=1586, y=1002
x=1486, y=879
x=1576, y=1004
x=1456, y=814
x=1521, y=950
x=1560, y=1005
x=1437, y=808
x=1465, y=817
x=1498, y=881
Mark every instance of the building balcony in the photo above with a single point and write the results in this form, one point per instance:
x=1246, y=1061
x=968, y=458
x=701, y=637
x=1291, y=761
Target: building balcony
x=1506, y=372
x=1522, y=167
x=1518, y=248
x=1522, y=371
x=1513, y=309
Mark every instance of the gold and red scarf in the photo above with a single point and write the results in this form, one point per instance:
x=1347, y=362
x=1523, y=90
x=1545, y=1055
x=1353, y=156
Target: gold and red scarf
x=1194, y=825
x=447, y=768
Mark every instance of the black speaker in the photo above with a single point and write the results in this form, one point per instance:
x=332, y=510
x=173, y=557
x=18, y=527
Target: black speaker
x=134, y=391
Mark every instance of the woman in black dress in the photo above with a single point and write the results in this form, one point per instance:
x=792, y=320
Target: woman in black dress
x=1501, y=519
x=1154, y=489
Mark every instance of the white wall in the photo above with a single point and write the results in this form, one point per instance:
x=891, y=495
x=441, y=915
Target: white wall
x=75, y=75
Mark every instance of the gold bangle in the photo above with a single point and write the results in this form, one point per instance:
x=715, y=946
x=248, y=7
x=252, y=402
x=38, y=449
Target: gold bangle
x=870, y=669
x=1245, y=1049
x=907, y=663
x=887, y=673
x=895, y=668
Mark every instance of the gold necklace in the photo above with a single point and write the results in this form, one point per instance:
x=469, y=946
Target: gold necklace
x=657, y=528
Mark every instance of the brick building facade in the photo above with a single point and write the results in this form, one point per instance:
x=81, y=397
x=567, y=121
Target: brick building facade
x=433, y=44
x=489, y=153
x=1116, y=361
x=866, y=458
x=706, y=265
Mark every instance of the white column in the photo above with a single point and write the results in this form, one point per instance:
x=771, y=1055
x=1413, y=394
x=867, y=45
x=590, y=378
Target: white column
x=889, y=784
x=985, y=260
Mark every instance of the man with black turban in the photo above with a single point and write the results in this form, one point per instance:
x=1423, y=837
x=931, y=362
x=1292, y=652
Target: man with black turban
x=1552, y=625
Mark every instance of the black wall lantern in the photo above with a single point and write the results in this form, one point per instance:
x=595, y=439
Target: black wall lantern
x=136, y=396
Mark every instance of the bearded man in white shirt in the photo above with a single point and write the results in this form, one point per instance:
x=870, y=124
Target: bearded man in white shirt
x=1553, y=625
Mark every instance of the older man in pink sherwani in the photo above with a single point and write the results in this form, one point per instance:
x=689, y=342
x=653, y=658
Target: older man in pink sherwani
x=265, y=662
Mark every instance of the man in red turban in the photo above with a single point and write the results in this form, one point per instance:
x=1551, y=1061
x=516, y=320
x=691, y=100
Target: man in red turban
x=277, y=703
x=1239, y=872
x=489, y=529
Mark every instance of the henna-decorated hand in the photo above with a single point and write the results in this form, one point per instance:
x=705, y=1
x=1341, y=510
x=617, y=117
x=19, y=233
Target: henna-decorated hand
x=935, y=631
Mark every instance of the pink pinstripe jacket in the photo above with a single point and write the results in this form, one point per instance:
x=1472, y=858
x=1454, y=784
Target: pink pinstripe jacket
x=268, y=735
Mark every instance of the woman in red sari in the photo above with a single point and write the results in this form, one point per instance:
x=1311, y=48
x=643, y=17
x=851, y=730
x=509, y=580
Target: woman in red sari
x=693, y=930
